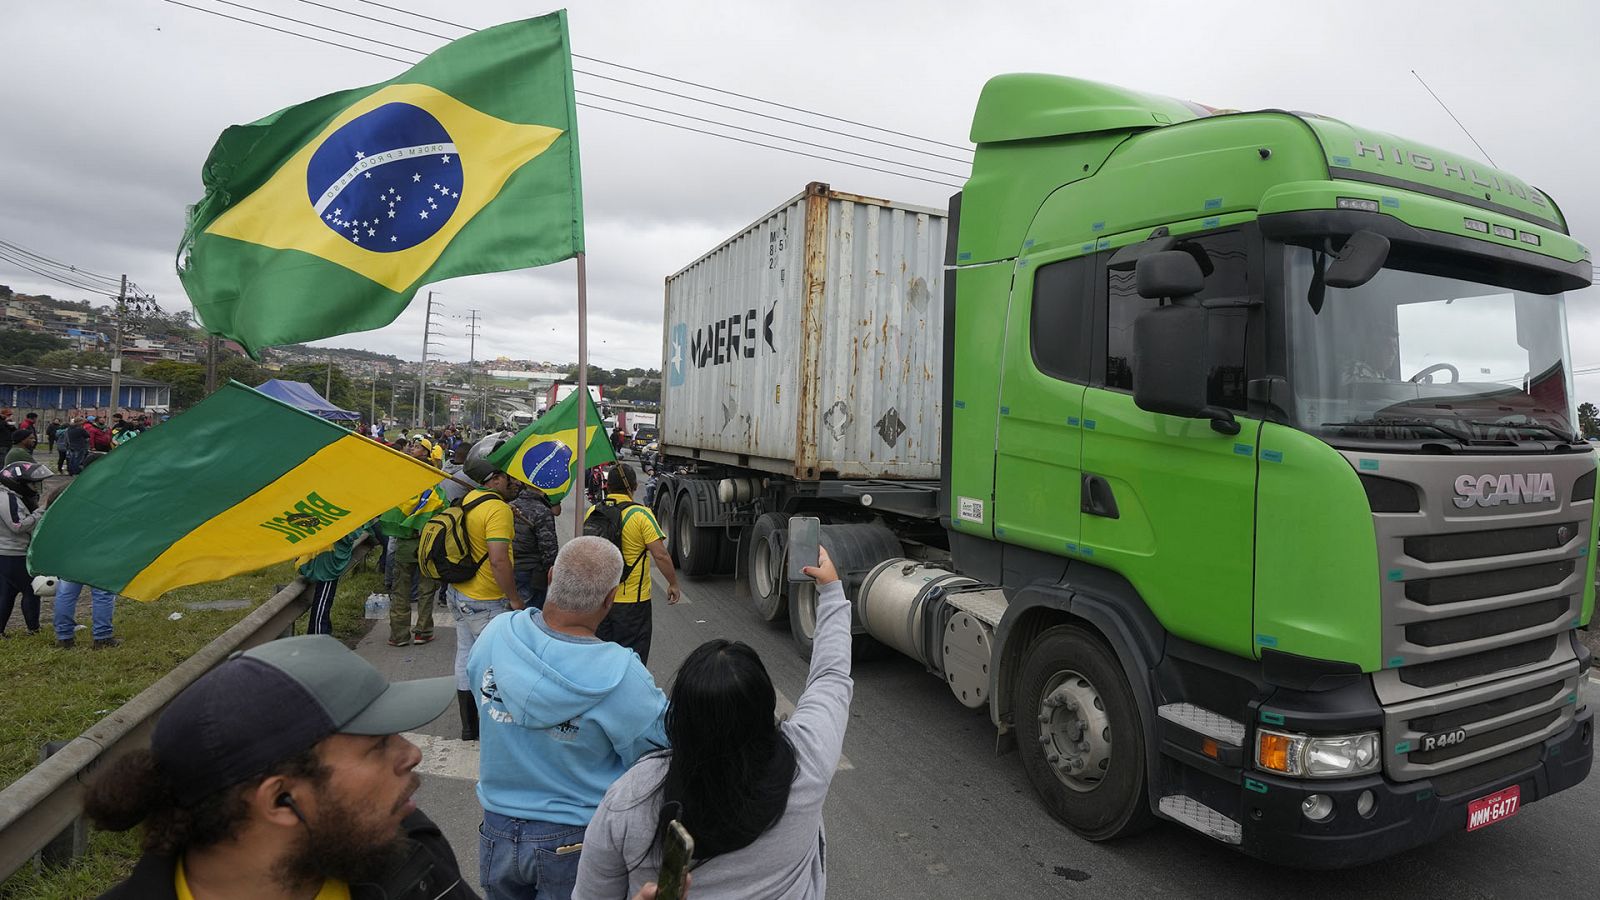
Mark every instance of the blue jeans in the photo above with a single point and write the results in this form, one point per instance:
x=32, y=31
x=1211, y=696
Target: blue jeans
x=471, y=617
x=102, y=603
x=523, y=860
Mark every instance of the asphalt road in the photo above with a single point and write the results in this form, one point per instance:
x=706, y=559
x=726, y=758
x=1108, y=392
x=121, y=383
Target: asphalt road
x=923, y=807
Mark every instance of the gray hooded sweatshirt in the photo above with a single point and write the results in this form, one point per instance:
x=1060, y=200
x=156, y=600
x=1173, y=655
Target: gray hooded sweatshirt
x=785, y=863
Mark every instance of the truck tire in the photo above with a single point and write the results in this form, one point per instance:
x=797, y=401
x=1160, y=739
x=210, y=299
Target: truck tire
x=765, y=568
x=695, y=548
x=1079, y=735
x=665, y=510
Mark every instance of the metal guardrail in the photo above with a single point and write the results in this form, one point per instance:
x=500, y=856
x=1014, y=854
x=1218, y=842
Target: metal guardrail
x=48, y=800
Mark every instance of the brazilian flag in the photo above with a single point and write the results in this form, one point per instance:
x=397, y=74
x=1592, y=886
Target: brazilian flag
x=325, y=218
x=204, y=497
x=544, y=454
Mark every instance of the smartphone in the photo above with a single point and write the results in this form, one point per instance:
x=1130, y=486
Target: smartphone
x=676, y=851
x=805, y=536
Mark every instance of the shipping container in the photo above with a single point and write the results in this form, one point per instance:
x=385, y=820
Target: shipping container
x=809, y=344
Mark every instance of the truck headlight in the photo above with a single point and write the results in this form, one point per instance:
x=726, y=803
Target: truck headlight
x=1307, y=756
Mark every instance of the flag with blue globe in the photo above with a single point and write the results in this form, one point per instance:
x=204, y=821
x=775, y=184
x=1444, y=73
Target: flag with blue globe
x=544, y=453
x=325, y=218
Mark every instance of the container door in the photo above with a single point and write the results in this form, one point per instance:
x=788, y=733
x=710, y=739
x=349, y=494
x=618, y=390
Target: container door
x=1046, y=366
x=1177, y=499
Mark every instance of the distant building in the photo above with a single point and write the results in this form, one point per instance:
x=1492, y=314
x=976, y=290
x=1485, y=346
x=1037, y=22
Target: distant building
x=59, y=393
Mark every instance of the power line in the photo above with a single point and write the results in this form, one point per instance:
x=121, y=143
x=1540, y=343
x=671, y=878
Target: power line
x=56, y=263
x=809, y=112
x=728, y=137
x=93, y=289
x=633, y=84
x=585, y=105
x=682, y=115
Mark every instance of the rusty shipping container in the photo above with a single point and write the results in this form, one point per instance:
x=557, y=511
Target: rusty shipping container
x=810, y=344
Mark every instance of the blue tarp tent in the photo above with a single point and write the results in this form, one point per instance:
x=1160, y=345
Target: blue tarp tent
x=298, y=393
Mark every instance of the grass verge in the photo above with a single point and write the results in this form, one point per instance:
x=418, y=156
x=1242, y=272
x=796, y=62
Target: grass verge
x=51, y=694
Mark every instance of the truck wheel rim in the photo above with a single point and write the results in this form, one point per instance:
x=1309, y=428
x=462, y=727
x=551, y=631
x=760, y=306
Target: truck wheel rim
x=806, y=599
x=766, y=569
x=683, y=535
x=1074, y=731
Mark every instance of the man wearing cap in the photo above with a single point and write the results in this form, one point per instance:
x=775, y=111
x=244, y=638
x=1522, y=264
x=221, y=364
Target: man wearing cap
x=22, y=443
x=303, y=791
x=77, y=444
x=492, y=589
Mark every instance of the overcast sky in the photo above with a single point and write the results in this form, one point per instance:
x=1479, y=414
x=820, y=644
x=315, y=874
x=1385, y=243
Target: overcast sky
x=107, y=110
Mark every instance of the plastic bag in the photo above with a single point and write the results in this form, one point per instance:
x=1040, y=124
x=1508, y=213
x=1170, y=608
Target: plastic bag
x=377, y=606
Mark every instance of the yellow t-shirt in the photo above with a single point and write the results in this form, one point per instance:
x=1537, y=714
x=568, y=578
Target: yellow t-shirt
x=639, y=528
x=488, y=522
x=331, y=889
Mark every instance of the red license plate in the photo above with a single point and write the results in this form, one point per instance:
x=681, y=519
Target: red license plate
x=1488, y=810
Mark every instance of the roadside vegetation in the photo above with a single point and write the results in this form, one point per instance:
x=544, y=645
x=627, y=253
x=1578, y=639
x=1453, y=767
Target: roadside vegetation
x=51, y=694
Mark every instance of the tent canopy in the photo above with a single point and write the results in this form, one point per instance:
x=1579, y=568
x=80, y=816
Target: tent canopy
x=298, y=393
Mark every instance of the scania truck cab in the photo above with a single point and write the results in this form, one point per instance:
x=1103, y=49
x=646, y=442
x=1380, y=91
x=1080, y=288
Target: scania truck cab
x=1251, y=497
x=1279, y=413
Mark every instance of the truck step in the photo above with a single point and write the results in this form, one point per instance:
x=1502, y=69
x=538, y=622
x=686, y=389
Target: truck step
x=987, y=604
x=1203, y=721
x=1201, y=818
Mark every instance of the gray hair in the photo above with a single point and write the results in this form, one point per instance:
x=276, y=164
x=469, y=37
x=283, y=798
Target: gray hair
x=586, y=570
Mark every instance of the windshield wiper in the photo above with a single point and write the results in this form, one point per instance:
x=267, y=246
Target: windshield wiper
x=1391, y=422
x=1551, y=430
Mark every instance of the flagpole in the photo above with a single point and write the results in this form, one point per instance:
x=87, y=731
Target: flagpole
x=583, y=392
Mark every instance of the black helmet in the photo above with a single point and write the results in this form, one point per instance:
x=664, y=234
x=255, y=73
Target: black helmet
x=25, y=475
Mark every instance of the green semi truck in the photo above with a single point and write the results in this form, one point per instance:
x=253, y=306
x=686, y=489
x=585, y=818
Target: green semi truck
x=1236, y=474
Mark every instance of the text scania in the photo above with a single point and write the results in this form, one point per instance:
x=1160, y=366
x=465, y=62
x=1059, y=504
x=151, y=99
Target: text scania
x=724, y=340
x=1493, y=490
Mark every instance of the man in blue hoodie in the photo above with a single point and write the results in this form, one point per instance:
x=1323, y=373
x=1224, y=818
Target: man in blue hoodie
x=563, y=714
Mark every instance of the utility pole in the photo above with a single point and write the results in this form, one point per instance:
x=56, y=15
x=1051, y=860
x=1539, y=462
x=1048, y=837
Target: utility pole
x=374, y=419
x=327, y=385
x=211, y=364
x=116, y=348
x=422, y=375
x=473, y=330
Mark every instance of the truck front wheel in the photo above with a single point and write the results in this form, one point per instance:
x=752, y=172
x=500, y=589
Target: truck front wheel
x=1079, y=735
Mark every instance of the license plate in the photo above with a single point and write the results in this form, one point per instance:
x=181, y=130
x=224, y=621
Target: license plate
x=1486, y=811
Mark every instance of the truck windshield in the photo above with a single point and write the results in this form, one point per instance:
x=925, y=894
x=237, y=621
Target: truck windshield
x=1413, y=356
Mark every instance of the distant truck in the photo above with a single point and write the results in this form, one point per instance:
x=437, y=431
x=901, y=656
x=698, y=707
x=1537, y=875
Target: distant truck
x=1227, y=459
x=560, y=392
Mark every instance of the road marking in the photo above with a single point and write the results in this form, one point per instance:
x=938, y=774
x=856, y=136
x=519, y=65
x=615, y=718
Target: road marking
x=445, y=757
x=786, y=709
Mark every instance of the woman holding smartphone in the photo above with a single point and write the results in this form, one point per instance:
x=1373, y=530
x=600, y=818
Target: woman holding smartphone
x=748, y=789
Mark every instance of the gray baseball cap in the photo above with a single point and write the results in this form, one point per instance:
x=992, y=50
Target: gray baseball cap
x=267, y=704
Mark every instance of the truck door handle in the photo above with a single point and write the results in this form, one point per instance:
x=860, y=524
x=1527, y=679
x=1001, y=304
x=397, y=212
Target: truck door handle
x=1096, y=497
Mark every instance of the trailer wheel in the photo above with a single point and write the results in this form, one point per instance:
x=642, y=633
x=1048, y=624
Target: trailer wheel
x=1079, y=735
x=765, y=566
x=665, y=511
x=696, y=548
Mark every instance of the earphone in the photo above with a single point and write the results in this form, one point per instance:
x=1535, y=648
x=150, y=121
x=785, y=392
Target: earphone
x=286, y=799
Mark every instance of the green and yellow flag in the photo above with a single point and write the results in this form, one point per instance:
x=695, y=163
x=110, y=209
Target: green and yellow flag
x=545, y=453
x=325, y=218
x=239, y=482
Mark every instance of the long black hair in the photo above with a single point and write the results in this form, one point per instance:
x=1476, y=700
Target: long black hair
x=730, y=768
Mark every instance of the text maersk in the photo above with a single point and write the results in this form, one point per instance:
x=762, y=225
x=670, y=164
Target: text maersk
x=731, y=338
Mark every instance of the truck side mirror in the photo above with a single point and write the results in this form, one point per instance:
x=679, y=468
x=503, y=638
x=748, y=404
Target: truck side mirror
x=1362, y=255
x=1169, y=370
x=1168, y=273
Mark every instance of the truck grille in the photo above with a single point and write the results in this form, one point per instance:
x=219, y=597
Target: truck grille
x=1479, y=724
x=1499, y=542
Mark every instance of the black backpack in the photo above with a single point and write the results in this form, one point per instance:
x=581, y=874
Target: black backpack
x=606, y=522
x=444, y=550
